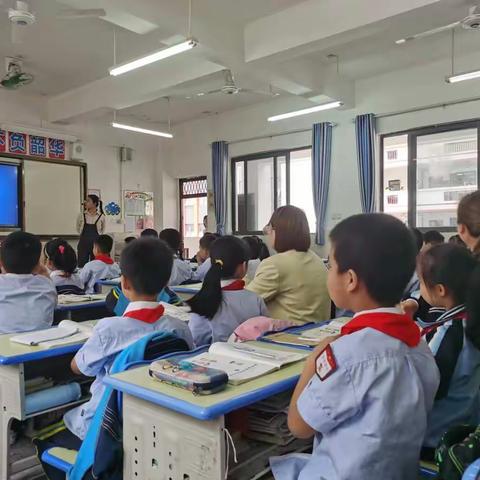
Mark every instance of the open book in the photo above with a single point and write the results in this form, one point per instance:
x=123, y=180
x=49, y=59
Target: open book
x=70, y=298
x=244, y=362
x=66, y=333
x=181, y=313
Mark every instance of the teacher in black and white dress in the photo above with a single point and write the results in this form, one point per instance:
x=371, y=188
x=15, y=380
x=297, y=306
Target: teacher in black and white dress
x=90, y=224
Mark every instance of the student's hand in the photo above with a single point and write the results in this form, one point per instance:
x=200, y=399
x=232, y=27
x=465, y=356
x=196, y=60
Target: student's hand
x=409, y=307
x=41, y=270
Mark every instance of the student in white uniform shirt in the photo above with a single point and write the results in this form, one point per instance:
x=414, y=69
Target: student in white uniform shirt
x=223, y=304
x=27, y=295
x=146, y=267
x=181, y=271
x=61, y=261
x=365, y=397
x=258, y=252
x=203, y=256
x=103, y=267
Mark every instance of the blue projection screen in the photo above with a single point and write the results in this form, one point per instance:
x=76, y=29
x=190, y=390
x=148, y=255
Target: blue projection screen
x=9, y=196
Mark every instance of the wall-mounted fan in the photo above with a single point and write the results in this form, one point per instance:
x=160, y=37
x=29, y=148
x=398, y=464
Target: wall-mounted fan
x=470, y=22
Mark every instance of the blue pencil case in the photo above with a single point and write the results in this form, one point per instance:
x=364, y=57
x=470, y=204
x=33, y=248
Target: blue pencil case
x=184, y=374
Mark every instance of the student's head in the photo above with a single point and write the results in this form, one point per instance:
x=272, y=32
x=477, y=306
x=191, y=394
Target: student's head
x=149, y=232
x=418, y=236
x=93, y=202
x=456, y=240
x=468, y=220
x=172, y=238
x=432, y=238
x=146, y=266
x=257, y=247
x=204, y=245
x=103, y=245
x=205, y=221
x=372, y=259
x=129, y=239
x=288, y=230
x=60, y=256
x=229, y=256
x=20, y=253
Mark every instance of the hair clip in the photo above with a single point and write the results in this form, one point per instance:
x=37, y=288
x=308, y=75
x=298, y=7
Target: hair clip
x=219, y=262
x=61, y=249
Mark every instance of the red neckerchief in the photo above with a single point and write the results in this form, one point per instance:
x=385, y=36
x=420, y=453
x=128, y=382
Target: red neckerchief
x=236, y=285
x=103, y=257
x=432, y=328
x=395, y=325
x=147, y=315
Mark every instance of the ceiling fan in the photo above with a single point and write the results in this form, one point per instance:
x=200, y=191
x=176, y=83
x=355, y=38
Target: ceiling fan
x=21, y=17
x=229, y=87
x=15, y=77
x=470, y=22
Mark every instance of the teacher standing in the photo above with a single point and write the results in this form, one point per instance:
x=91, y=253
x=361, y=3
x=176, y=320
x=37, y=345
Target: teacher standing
x=90, y=224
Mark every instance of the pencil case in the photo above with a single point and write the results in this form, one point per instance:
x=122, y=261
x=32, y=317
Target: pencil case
x=184, y=374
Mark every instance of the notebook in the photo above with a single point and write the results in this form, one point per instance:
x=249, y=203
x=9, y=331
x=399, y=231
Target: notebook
x=244, y=362
x=66, y=333
x=320, y=333
x=70, y=298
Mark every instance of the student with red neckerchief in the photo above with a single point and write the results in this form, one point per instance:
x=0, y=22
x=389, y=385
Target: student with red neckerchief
x=223, y=304
x=365, y=396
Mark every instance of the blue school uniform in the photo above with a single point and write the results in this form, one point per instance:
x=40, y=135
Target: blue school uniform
x=63, y=283
x=368, y=403
x=238, y=305
x=202, y=270
x=110, y=336
x=97, y=270
x=458, y=359
x=27, y=302
x=181, y=272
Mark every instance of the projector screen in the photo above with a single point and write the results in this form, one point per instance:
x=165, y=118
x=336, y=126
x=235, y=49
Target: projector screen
x=10, y=196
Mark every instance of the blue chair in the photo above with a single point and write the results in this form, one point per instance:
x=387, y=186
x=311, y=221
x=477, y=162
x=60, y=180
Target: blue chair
x=473, y=471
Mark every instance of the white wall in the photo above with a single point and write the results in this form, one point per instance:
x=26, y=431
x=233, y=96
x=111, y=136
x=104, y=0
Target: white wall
x=418, y=86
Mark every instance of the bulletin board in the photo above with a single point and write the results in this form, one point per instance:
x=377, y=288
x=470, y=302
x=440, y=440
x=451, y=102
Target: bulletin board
x=138, y=210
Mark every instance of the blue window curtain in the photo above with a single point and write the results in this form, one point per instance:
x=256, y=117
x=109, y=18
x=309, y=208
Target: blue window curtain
x=365, y=136
x=321, y=158
x=219, y=170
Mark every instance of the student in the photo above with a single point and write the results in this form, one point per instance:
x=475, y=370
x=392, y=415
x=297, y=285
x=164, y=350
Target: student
x=181, y=271
x=432, y=238
x=103, y=267
x=222, y=304
x=456, y=240
x=146, y=267
x=61, y=260
x=27, y=295
x=149, y=232
x=450, y=278
x=129, y=239
x=366, y=395
x=203, y=256
x=468, y=219
x=258, y=252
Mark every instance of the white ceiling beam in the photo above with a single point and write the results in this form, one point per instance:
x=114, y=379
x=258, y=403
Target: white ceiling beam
x=140, y=86
x=313, y=24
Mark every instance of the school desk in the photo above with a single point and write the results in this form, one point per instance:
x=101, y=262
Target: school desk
x=80, y=311
x=171, y=433
x=106, y=285
x=186, y=291
x=19, y=363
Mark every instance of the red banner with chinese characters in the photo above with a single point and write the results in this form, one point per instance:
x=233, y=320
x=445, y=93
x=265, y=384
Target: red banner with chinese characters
x=32, y=145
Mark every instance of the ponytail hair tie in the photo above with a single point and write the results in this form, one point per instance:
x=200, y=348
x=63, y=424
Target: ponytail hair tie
x=219, y=262
x=61, y=249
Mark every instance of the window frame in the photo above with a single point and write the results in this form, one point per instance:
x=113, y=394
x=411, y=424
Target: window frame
x=412, y=136
x=182, y=196
x=275, y=154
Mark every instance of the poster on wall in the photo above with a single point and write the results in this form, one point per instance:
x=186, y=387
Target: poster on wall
x=138, y=210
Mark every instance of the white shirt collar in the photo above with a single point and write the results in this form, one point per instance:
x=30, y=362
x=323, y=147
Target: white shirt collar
x=379, y=310
x=139, y=305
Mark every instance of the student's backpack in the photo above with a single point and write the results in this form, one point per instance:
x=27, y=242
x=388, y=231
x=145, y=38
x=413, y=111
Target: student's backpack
x=459, y=447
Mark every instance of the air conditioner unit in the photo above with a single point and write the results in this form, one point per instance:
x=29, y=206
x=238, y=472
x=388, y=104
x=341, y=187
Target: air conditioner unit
x=126, y=154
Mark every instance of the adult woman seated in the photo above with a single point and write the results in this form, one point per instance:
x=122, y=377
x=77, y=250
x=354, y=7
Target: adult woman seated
x=293, y=282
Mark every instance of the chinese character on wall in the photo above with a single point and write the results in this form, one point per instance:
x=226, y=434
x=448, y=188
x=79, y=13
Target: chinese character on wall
x=37, y=146
x=3, y=141
x=56, y=148
x=17, y=143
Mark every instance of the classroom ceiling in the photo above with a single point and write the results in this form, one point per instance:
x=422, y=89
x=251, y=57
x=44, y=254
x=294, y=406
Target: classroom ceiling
x=270, y=45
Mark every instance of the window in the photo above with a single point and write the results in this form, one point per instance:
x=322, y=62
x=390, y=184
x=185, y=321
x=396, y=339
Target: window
x=263, y=182
x=433, y=168
x=193, y=208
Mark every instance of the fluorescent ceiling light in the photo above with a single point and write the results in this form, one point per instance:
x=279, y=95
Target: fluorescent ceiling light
x=460, y=77
x=153, y=57
x=141, y=130
x=306, y=111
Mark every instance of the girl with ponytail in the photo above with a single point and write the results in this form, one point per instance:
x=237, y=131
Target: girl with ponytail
x=61, y=260
x=450, y=278
x=223, y=304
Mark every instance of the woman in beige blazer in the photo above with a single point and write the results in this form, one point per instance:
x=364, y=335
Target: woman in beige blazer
x=293, y=282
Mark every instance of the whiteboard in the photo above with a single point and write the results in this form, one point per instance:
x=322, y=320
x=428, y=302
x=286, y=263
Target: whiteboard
x=53, y=194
